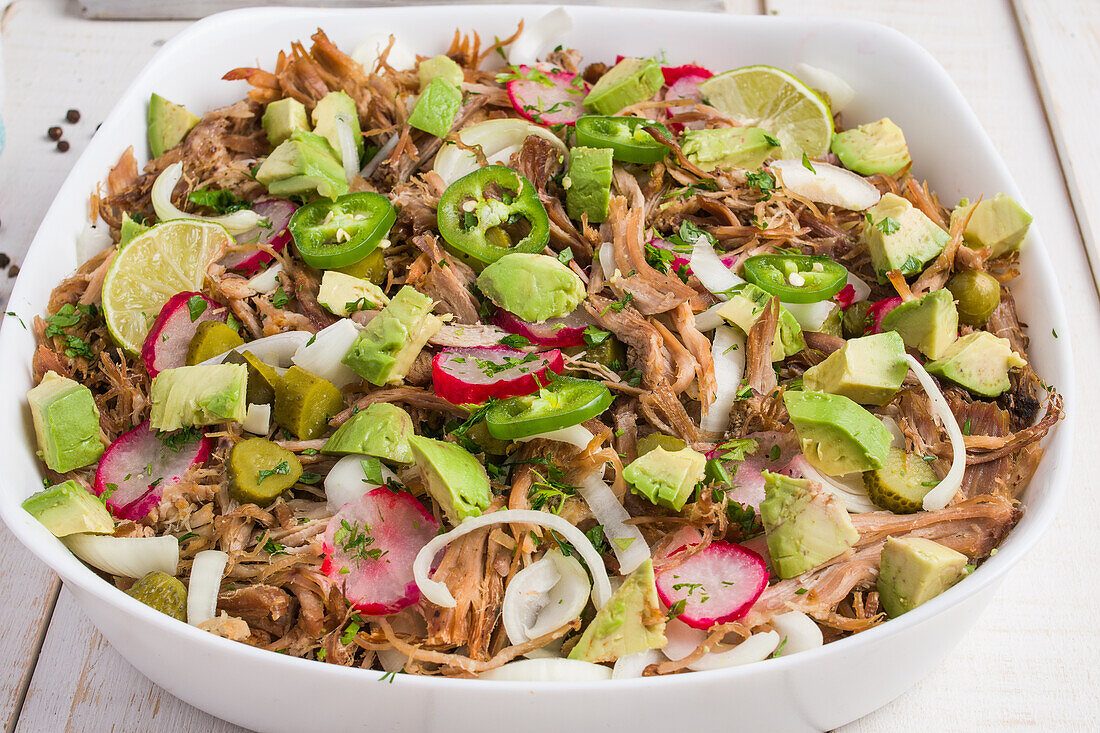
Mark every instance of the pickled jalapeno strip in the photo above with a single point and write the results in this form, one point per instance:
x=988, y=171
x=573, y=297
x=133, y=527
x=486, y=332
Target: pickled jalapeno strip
x=331, y=234
x=565, y=402
x=629, y=142
x=796, y=278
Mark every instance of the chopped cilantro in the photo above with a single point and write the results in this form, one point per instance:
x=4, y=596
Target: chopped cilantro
x=223, y=202
x=282, y=468
x=196, y=306
x=807, y=164
x=280, y=298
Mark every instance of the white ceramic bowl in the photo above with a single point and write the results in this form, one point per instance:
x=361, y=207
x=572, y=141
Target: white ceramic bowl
x=819, y=689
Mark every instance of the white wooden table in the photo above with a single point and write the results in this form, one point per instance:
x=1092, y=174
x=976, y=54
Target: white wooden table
x=1031, y=70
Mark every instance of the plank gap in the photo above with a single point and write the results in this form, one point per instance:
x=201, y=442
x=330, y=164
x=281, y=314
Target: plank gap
x=32, y=663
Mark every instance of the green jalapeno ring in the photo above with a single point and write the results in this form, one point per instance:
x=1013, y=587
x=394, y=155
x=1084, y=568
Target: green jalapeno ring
x=331, y=234
x=565, y=402
x=796, y=278
x=628, y=141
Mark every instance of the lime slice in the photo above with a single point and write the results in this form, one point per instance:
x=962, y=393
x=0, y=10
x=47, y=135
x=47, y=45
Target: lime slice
x=167, y=259
x=772, y=99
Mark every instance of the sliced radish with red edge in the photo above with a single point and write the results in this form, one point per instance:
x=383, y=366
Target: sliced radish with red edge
x=718, y=584
x=547, y=97
x=673, y=74
x=556, y=333
x=166, y=345
x=878, y=311
x=685, y=87
x=277, y=212
x=472, y=376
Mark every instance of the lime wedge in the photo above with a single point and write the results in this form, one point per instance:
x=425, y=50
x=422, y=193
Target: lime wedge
x=167, y=259
x=772, y=99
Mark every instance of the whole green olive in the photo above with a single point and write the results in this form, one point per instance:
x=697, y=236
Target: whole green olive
x=978, y=294
x=854, y=322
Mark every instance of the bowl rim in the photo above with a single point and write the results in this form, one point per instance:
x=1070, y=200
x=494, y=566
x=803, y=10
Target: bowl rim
x=1059, y=444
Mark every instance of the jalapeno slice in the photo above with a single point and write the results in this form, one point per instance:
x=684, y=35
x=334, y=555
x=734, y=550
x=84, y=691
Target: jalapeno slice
x=624, y=135
x=566, y=401
x=331, y=234
x=796, y=278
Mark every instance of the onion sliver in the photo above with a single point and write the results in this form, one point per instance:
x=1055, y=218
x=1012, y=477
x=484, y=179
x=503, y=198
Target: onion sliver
x=709, y=319
x=257, y=419
x=548, y=670
x=575, y=435
x=267, y=280
x=203, y=585
x=633, y=665
x=349, y=155
x=712, y=273
x=323, y=354
x=799, y=632
x=544, y=596
x=130, y=557
x=849, y=489
x=236, y=223
x=498, y=139
x=811, y=316
x=943, y=492
x=539, y=36
x=827, y=184
x=756, y=648
x=626, y=540
x=92, y=240
x=382, y=154
x=276, y=350
x=839, y=91
x=607, y=260
x=728, y=352
x=439, y=594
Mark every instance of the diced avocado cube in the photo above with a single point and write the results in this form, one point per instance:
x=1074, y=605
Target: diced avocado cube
x=66, y=508
x=898, y=236
x=979, y=362
x=628, y=82
x=198, y=395
x=877, y=147
x=929, y=324
x=169, y=124
x=666, y=478
x=837, y=436
x=913, y=570
x=456, y=480
x=342, y=294
x=998, y=223
x=336, y=107
x=439, y=67
x=303, y=163
x=532, y=286
x=736, y=147
x=66, y=422
x=385, y=350
x=630, y=622
x=381, y=430
x=804, y=526
x=437, y=108
x=746, y=304
x=588, y=183
x=868, y=370
x=282, y=117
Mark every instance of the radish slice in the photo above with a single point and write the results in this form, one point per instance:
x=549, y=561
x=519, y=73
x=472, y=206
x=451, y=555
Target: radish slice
x=633, y=665
x=798, y=631
x=204, y=584
x=811, y=316
x=539, y=36
x=276, y=350
x=575, y=435
x=943, y=492
x=547, y=97
x=673, y=74
x=839, y=91
x=161, y=196
x=849, y=489
x=498, y=139
x=748, y=474
x=138, y=466
x=472, y=376
x=166, y=345
x=626, y=540
x=827, y=184
x=440, y=595
x=860, y=289
x=544, y=596
x=129, y=557
x=718, y=584
x=557, y=333
x=272, y=230
x=878, y=311
x=728, y=352
x=548, y=670
x=369, y=548
x=715, y=275
x=347, y=480
x=686, y=87
x=322, y=355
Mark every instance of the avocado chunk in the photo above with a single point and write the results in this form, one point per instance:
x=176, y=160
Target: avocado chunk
x=900, y=485
x=837, y=436
x=868, y=370
x=456, y=480
x=385, y=350
x=979, y=362
x=588, y=183
x=900, y=237
x=66, y=423
x=381, y=430
x=437, y=108
x=729, y=147
x=929, y=324
x=804, y=526
x=666, y=478
x=343, y=294
x=302, y=164
x=532, y=286
x=66, y=508
x=304, y=402
x=631, y=621
x=128, y=230
x=913, y=570
x=198, y=395
x=877, y=147
x=747, y=302
x=439, y=67
x=998, y=223
x=333, y=109
x=628, y=82
x=169, y=124
x=282, y=117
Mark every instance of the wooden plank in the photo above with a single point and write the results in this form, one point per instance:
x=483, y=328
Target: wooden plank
x=1063, y=40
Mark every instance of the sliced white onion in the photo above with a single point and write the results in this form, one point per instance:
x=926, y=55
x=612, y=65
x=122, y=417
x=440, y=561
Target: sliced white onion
x=498, y=139
x=811, y=316
x=346, y=480
x=709, y=319
x=92, y=241
x=681, y=639
x=539, y=36
x=258, y=419
x=203, y=586
x=370, y=50
x=382, y=154
x=349, y=154
x=129, y=557
x=548, y=670
x=607, y=260
x=392, y=660
x=943, y=492
x=840, y=92
x=799, y=631
x=862, y=289
x=827, y=184
x=633, y=665
x=898, y=437
x=543, y=597
x=849, y=489
x=756, y=648
x=267, y=280
x=275, y=350
x=712, y=273
x=236, y=223
x=575, y=435
x=626, y=540
x=728, y=352
x=439, y=594
x=323, y=355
